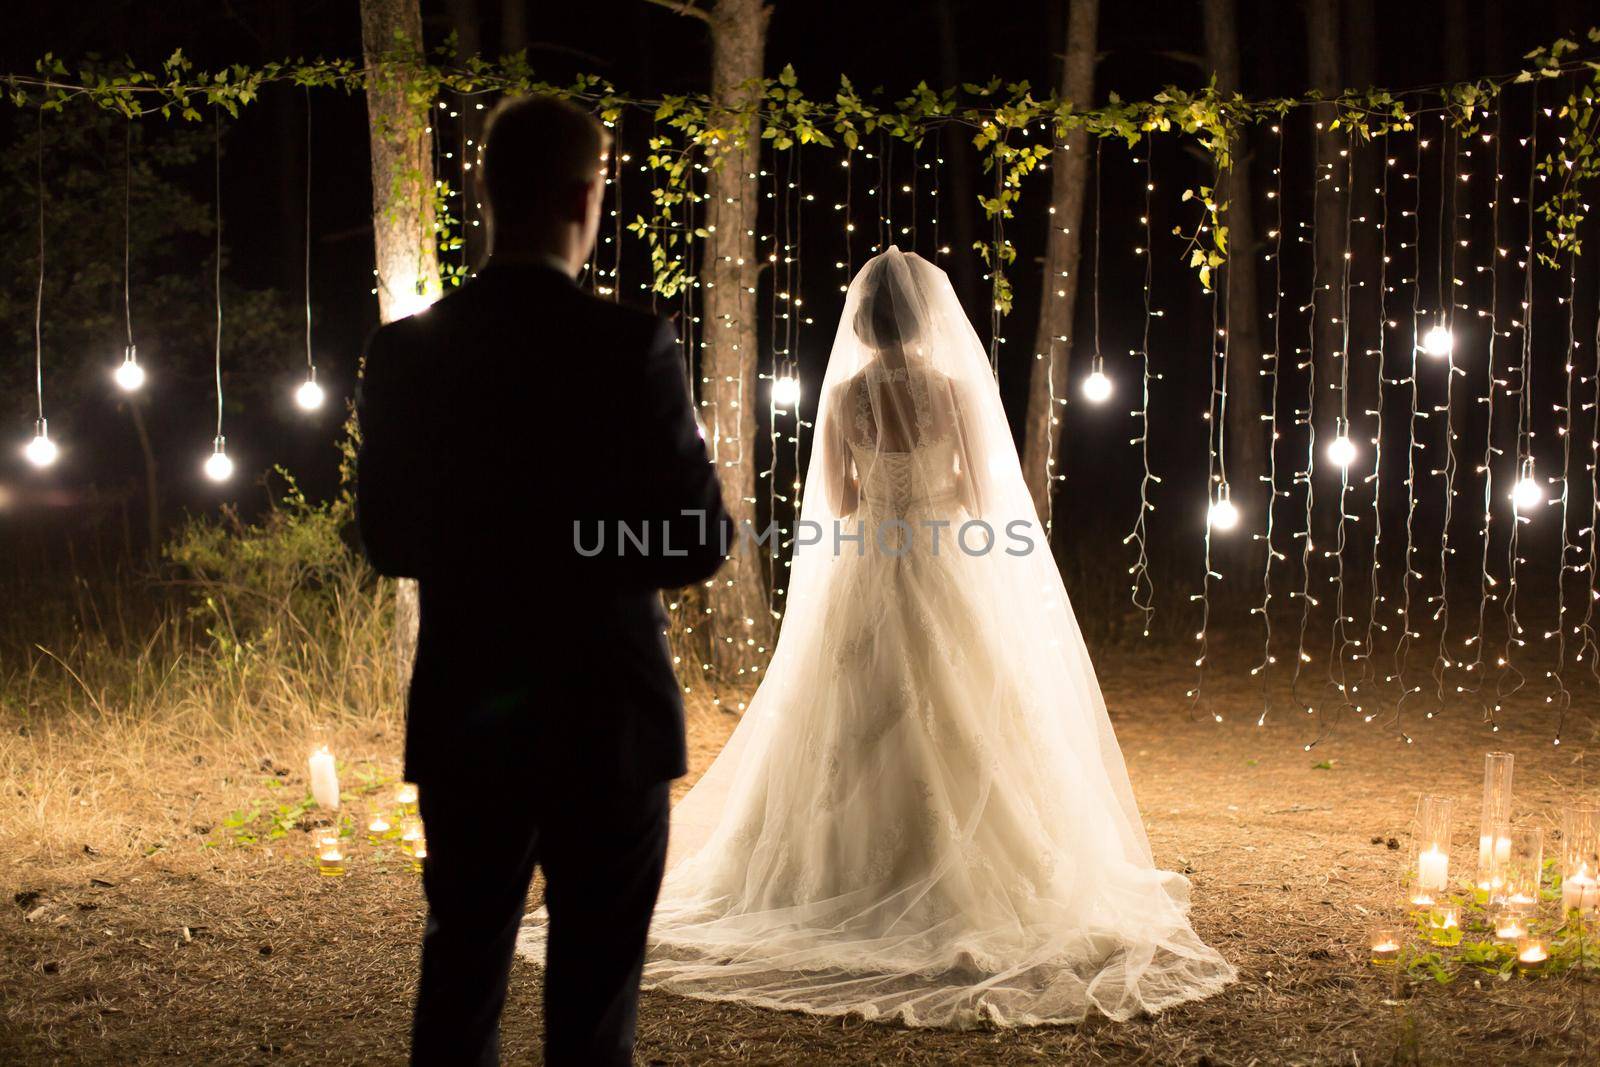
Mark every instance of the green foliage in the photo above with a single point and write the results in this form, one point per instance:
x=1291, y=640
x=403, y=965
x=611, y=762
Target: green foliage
x=691, y=130
x=171, y=236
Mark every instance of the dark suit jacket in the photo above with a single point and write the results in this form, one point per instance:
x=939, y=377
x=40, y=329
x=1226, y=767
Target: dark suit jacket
x=490, y=424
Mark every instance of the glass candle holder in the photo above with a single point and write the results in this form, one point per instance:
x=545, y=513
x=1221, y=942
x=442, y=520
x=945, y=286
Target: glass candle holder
x=1510, y=926
x=1444, y=925
x=1384, y=945
x=330, y=853
x=419, y=852
x=1524, y=871
x=1532, y=953
x=1431, y=841
x=1494, y=831
x=378, y=825
x=405, y=795
x=411, y=835
x=1580, y=861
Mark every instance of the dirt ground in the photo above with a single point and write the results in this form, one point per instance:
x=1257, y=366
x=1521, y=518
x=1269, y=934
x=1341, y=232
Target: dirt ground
x=145, y=945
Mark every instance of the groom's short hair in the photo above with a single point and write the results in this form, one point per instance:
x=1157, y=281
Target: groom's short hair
x=535, y=147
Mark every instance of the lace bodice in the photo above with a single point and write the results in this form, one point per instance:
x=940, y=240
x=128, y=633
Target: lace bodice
x=896, y=483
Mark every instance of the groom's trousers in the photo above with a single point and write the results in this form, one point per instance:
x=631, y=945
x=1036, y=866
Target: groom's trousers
x=602, y=852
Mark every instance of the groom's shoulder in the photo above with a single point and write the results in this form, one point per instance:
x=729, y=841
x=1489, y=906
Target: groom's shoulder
x=621, y=320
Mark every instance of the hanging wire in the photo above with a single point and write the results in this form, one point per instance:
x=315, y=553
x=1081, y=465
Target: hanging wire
x=127, y=230
x=311, y=364
x=1216, y=429
x=38, y=299
x=1402, y=648
x=1340, y=641
x=1450, y=158
x=1143, y=591
x=1591, y=646
x=216, y=126
x=1562, y=697
x=1524, y=447
x=1308, y=420
x=1271, y=416
x=1487, y=582
x=1374, y=626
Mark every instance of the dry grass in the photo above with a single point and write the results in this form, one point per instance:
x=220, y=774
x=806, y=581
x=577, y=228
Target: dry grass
x=134, y=929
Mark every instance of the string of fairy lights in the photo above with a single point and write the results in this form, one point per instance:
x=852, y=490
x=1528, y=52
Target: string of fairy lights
x=1451, y=373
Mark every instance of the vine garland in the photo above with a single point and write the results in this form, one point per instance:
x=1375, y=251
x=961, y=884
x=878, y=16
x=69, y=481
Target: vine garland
x=1004, y=118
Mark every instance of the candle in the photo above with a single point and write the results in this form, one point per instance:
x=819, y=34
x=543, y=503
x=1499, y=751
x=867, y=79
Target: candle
x=1501, y=851
x=411, y=836
x=1580, y=892
x=1385, y=946
x=324, y=779
x=419, y=852
x=1444, y=926
x=378, y=825
x=1520, y=901
x=1509, y=928
x=406, y=795
x=1531, y=953
x=1421, y=900
x=1433, y=869
x=330, y=855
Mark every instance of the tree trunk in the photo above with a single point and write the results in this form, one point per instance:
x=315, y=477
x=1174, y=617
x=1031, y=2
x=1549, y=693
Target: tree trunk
x=513, y=26
x=402, y=201
x=1246, y=433
x=1052, y=345
x=738, y=626
x=1322, y=48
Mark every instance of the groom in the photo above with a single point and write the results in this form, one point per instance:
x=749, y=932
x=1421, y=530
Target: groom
x=544, y=719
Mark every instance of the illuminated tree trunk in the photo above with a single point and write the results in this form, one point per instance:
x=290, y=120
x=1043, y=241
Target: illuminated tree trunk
x=738, y=627
x=402, y=199
x=1052, y=345
x=1246, y=433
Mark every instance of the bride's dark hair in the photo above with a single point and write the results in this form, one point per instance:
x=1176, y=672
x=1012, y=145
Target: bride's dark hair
x=884, y=317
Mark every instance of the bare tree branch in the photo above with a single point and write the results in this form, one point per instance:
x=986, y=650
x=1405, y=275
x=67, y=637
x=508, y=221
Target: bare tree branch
x=683, y=8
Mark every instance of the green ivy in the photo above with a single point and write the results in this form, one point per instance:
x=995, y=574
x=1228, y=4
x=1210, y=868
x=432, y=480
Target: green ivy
x=692, y=133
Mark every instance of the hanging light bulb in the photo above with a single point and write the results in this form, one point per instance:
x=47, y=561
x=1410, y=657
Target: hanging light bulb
x=1438, y=341
x=1097, y=387
x=129, y=376
x=218, y=467
x=1526, y=493
x=41, y=451
x=785, y=391
x=1341, y=450
x=309, y=396
x=1222, y=515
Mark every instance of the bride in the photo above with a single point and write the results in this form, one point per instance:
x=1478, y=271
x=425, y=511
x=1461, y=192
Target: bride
x=924, y=814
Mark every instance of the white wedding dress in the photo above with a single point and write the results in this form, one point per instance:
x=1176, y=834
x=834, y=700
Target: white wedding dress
x=924, y=814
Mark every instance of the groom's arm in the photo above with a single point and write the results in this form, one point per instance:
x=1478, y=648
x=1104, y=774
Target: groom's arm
x=677, y=480
x=390, y=463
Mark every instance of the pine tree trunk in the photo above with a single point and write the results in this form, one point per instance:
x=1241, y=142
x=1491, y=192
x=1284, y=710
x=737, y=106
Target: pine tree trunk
x=1246, y=433
x=1052, y=345
x=402, y=202
x=738, y=627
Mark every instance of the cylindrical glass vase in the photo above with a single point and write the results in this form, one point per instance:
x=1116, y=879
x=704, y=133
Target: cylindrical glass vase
x=1580, y=860
x=1430, y=838
x=1524, y=871
x=1494, y=832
